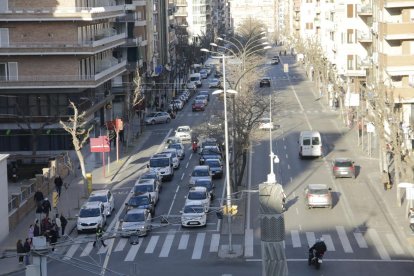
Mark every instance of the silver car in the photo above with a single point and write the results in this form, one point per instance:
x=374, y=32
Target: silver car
x=200, y=172
x=157, y=118
x=318, y=195
x=343, y=167
x=136, y=222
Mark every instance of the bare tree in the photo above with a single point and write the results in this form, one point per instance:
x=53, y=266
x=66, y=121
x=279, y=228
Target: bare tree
x=133, y=100
x=77, y=127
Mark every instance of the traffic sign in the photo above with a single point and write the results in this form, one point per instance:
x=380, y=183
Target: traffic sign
x=100, y=144
x=286, y=68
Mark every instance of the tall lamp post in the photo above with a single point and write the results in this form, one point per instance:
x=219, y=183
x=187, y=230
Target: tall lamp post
x=226, y=145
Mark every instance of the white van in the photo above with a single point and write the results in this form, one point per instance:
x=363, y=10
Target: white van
x=196, y=79
x=310, y=144
x=163, y=165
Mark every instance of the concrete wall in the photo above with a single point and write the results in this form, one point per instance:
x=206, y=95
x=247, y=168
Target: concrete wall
x=4, y=213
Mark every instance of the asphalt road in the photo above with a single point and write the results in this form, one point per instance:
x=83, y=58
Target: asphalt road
x=359, y=237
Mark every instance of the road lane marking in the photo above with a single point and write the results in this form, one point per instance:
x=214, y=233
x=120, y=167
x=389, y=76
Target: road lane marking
x=395, y=244
x=215, y=241
x=310, y=236
x=344, y=239
x=165, y=250
x=104, y=249
x=133, y=251
x=183, y=241
x=71, y=252
x=288, y=167
x=121, y=245
x=295, y=238
x=342, y=260
x=328, y=241
x=151, y=245
x=87, y=250
x=182, y=176
x=372, y=233
x=173, y=199
x=198, y=246
x=248, y=243
x=362, y=243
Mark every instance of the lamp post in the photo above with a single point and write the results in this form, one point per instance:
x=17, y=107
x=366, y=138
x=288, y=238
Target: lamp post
x=226, y=145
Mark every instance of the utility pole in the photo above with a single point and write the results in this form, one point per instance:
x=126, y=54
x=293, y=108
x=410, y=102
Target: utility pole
x=39, y=253
x=272, y=222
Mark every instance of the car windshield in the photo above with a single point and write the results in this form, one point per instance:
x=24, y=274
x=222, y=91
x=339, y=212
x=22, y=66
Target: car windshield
x=213, y=80
x=199, y=102
x=343, y=163
x=151, y=115
x=318, y=191
x=134, y=217
x=194, y=78
x=315, y=141
x=213, y=163
x=159, y=162
x=174, y=146
x=143, y=188
x=182, y=129
x=196, y=195
x=200, y=173
x=211, y=151
x=149, y=176
x=139, y=200
x=89, y=213
x=100, y=198
x=190, y=209
x=173, y=154
x=206, y=184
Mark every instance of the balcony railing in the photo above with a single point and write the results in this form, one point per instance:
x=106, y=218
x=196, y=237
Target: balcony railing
x=364, y=37
x=365, y=10
x=397, y=31
x=398, y=3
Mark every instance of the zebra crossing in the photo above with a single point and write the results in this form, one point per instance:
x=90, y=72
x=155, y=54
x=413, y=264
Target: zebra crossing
x=196, y=244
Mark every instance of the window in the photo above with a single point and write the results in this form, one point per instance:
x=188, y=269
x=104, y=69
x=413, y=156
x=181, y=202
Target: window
x=309, y=26
x=8, y=71
x=350, y=62
x=4, y=37
x=350, y=36
x=350, y=10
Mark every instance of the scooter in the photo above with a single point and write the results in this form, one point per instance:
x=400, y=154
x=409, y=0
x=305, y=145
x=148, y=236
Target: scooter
x=194, y=146
x=315, y=259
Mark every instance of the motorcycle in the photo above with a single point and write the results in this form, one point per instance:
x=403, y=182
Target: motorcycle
x=194, y=146
x=315, y=259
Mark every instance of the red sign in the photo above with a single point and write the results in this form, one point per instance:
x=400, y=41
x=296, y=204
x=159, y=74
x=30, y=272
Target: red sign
x=100, y=144
x=116, y=124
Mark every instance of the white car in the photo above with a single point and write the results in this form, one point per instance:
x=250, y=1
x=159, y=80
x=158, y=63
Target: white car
x=214, y=83
x=265, y=123
x=104, y=196
x=157, y=118
x=183, y=132
x=191, y=85
x=147, y=186
x=193, y=216
x=199, y=196
x=180, y=149
x=136, y=222
x=174, y=155
x=91, y=215
x=178, y=104
x=200, y=172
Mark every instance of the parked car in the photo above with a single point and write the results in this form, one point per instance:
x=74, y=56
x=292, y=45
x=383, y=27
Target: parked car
x=157, y=117
x=91, y=215
x=204, y=182
x=191, y=85
x=265, y=123
x=136, y=222
x=343, y=167
x=200, y=172
x=198, y=196
x=145, y=187
x=105, y=196
x=193, y=216
x=318, y=195
x=141, y=202
x=216, y=167
x=183, y=132
x=265, y=81
x=178, y=104
x=215, y=122
x=198, y=105
x=214, y=83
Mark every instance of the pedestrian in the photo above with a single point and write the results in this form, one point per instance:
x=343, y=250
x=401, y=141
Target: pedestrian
x=285, y=52
x=46, y=206
x=58, y=184
x=30, y=232
x=53, y=236
x=20, y=251
x=38, y=197
x=58, y=224
x=63, y=222
x=99, y=234
x=26, y=251
x=36, y=229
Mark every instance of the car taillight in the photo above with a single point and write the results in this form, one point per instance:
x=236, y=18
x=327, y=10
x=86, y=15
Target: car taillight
x=335, y=168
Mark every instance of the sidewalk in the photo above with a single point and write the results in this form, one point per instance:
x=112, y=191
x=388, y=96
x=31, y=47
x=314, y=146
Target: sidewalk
x=71, y=199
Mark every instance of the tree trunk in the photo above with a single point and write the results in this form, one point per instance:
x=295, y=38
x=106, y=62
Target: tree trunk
x=242, y=168
x=83, y=170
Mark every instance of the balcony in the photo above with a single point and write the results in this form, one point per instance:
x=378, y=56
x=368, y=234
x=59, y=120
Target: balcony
x=364, y=37
x=355, y=72
x=365, y=10
x=102, y=41
x=181, y=14
x=181, y=3
x=397, y=31
x=403, y=94
x=61, y=13
x=105, y=70
x=364, y=63
x=398, y=3
x=129, y=17
x=397, y=65
x=140, y=3
x=140, y=22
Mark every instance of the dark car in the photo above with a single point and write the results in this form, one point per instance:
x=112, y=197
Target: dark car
x=141, y=202
x=217, y=74
x=265, y=82
x=275, y=60
x=343, y=167
x=203, y=182
x=209, y=152
x=216, y=167
x=198, y=105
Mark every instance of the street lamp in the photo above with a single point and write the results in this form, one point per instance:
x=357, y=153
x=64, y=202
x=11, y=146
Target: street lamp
x=226, y=145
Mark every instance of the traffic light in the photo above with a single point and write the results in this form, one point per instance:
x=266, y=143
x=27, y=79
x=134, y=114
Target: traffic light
x=55, y=199
x=232, y=210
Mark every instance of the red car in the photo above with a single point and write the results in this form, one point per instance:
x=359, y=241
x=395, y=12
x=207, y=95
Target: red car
x=198, y=105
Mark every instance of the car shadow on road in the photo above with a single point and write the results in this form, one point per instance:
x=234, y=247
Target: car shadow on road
x=291, y=202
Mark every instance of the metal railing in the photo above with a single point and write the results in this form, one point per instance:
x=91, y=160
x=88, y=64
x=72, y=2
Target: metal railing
x=25, y=193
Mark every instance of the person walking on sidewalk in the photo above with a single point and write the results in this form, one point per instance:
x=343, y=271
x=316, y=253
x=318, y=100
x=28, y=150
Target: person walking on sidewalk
x=46, y=206
x=30, y=232
x=63, y=222
x=20, y=251
x=26, y=251
x=36, y=229
x=58, y=184
x=38, y=197
x=58, y=223
x=99, y=234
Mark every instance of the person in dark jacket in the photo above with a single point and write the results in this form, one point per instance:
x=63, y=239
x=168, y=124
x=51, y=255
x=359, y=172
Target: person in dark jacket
x=38, y=197
x=36, y=231
x=27, y=249
x=319, y=247
x=63, y=222
x=99, y=234
x=46, y=206
x=58, y=184
x=20, y=251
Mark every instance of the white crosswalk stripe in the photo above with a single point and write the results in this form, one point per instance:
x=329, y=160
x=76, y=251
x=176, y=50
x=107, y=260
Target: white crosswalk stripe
x=329, y=243
x=151, y=245
x=373, y=234
x=133, y=251
x=165, y=250
x=121, y=245
x=103, y=249
x=72, y=250
x=295, y=238
x=392, y=240
x=183, y=242
x=310, y=236
x=198, y=246
x=362, y=243
x=215, y=241
x=344, y=239
x=87, y=250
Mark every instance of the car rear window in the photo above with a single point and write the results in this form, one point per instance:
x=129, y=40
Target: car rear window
x=306, y=141
x=318, y=191
x=343, y=164
x=315, y=141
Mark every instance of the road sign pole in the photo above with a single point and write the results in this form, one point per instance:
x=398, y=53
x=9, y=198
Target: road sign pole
x=103, y=163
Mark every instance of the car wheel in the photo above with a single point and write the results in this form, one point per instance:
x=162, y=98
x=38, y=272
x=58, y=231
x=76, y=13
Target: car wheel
x=79, y=231
x=168, y=120
x=153, y=122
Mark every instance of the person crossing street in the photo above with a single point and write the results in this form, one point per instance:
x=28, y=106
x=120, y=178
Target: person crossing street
x=99, y=234
x=58, y=184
